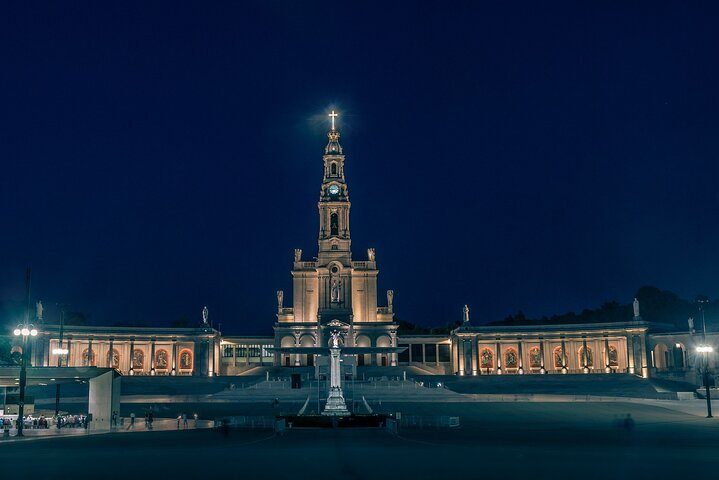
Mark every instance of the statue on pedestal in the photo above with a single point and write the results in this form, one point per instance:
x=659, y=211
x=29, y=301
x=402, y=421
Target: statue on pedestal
x=205, y=315
x=39, y=309
x=370, y=254
x=298, y=254
x=280, y=298
x=390, y=299
x=636, y=308
x=465, y=314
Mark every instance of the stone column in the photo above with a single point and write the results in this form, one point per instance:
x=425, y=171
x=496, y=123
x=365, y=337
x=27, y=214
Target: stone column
x=89, y=352
x=498, y=358
x=643, y=355
x=630, y=354
x=462, y=359
x=109, y=352
x=585, y=357
x=564, y=356
x=132, y=352
x=607, y=368
x=475, y=354
x=69, y=352
x=297, y=355
x=455, y=363
x=174, y=357
x=520, y=370
x=542, y=368
x=152, y=356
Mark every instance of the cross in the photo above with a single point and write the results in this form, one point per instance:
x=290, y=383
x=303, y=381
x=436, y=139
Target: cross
x=332, y=116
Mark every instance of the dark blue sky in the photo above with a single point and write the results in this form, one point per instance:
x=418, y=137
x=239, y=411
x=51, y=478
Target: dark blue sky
x=158, y=157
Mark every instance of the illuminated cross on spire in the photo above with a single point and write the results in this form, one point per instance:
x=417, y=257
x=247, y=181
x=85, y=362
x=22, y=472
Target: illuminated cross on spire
x=332, y=117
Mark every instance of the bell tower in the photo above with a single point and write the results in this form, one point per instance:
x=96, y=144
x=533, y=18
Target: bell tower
x=334, y=204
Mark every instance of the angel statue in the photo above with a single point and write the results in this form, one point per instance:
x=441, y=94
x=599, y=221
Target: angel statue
x=38, y=309
x=205, y=315
x=335, y=338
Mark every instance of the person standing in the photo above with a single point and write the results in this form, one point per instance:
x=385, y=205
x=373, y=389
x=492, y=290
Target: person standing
x=184, y=419
x=132, y=420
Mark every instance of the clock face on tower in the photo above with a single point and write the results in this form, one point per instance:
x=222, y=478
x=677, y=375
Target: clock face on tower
x=334, y=189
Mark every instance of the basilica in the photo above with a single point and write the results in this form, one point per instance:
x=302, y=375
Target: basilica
x=337, y=292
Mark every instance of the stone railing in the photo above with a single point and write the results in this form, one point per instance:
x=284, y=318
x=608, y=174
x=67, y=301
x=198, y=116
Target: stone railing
x=306, y=265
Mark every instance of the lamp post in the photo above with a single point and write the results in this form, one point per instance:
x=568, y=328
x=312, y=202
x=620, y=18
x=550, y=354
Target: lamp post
x=705, y=349
x=26, y=329
x=60, y=351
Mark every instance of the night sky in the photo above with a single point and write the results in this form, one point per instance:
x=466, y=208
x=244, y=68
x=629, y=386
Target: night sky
x=157, y=157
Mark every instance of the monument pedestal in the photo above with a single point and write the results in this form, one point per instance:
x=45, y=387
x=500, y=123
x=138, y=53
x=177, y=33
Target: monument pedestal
x=335, y=400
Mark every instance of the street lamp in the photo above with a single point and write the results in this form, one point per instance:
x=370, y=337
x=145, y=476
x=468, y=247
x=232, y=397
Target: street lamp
x=25, y=331
x=705, y=349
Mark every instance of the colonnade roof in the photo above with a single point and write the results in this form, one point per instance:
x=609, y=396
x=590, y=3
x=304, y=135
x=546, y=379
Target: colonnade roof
x=570, y=329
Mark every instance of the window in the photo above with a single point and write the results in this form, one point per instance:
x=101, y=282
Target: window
x=254, y=350
x=88, y=358
x=334, y=224
x=445, y=353
x=430, y=353
x=241, y=351
x=266, y=352
x=333, y=169
x=403, y=356
x=613, y=356
x=161, y=359
x=510, y=358
x=589, y=357
x=186, y=360
x=559, y=360
x=416, y=352
x=535, y=358
x=486, y=358
x=138, y=359
x=227, y=351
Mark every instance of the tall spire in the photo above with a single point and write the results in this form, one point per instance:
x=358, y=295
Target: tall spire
x=333, y=146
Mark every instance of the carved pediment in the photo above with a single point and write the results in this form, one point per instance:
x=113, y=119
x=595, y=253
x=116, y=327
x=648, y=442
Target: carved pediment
x=337, y=324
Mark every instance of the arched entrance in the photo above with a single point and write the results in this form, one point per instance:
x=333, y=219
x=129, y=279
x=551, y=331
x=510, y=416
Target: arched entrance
x=383, y=358
x=661, y=357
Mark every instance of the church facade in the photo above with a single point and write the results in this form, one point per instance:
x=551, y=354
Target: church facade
x=335, y=291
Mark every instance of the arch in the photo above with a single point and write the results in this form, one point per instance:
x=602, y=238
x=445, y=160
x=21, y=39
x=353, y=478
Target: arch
x=511, y=359
x=535, y=358
x=558, y=360
x=334, y=224
x=287, y=341
x=138, y=359
x=383, y=341
x=661, y=356
x=161, y=359
x=362, y=341
x=114, y=359
x=333, y=168
x=486, y=358
x=88, y=362
x=589, y=357
x=363, y=358
x=307, y=340
x=679, y=355
x=185, y=357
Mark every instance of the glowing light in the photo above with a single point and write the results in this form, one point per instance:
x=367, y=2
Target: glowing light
x=332, y=116
x=33, y=332
x=25, y=331
x=705, y=349
x=60, y=351
x=16, y=332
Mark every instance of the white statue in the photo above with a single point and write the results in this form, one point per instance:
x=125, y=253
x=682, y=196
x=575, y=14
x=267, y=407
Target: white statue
x=39, y=309
x=298, y=254
x=205, y=315
x=690, y=321
x=390, y=299
x=280, y=298
x=335, y=339
x=636, y=308
x=370, y=254
x=465, y=314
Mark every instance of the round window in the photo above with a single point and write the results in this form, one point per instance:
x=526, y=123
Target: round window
x=335, y=269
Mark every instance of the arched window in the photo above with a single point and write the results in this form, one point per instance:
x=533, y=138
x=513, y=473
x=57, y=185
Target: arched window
x=186, y=360
x=589, y=360
x=161, y=360
x=511, y=359
x=559, y=361
x=138, y=359
x=535, y=358
x=334, y=224
x=486, y=358
x=613, y=356
x=88, y=358
x=114, y=359
x=333, y=169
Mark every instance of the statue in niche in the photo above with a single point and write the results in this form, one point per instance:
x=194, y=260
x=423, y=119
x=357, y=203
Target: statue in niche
x=370, y=254
x=390, y=299
x=38, y=309
x=636, y=307
x=280, y=298
x=335, y=289
x=465, y=314
x=335, y=338
x=298, y=254
x=205, y=315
